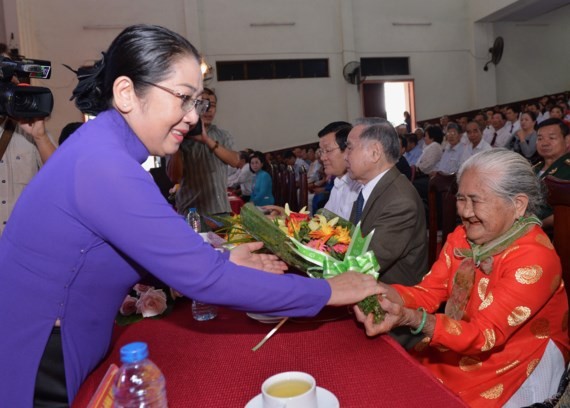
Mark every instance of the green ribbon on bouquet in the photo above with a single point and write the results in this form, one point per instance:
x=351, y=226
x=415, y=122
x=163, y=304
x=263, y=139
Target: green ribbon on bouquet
x=357, y=257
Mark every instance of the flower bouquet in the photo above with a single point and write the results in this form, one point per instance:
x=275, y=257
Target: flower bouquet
x=323, y=246
x=146, y=301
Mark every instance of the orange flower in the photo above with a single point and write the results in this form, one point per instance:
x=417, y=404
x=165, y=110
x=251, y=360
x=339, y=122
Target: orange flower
x=343, y=235
x=323, y=233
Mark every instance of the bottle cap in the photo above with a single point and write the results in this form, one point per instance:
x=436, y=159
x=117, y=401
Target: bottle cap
x=134, y=352
x=193, y=209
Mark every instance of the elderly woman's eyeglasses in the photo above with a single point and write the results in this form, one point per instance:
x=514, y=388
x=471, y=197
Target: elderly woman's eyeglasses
x=201, y=105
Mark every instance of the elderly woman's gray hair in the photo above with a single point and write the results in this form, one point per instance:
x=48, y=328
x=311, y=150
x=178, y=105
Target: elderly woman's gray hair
x=507, y=174
x=382, y=131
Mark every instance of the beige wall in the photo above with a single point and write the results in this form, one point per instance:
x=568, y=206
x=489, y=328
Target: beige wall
x=446, y=57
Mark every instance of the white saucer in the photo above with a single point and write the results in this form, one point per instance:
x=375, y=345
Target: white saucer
x=325, y=399
x=265, y=318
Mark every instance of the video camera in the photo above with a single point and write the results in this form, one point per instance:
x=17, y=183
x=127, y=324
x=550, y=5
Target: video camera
x=24, y=101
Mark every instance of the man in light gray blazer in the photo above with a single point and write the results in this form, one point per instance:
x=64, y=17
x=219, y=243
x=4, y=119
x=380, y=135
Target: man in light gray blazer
x=391, y=206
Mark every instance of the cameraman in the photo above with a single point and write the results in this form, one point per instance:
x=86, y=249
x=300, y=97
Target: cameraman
x=28, y=148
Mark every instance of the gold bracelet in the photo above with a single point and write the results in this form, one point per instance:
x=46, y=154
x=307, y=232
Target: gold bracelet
x=216, y=145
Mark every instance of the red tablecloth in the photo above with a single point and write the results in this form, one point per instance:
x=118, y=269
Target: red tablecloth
x=235, y=203
x=210, y=364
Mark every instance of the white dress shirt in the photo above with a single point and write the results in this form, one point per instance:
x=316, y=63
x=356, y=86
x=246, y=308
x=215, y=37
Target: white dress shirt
x=429, y=158
x=502, y=139
x=343, y=194
x=470, y=150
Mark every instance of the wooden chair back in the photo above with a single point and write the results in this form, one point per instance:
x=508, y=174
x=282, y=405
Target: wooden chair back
x=283, y=182
x=559, y=199
x=275, y=180
x=442, y=189
x=290, y=194
x=303, y=189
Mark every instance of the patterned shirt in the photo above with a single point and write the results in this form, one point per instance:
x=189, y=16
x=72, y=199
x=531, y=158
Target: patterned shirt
x=204, y=185
x=512, y=314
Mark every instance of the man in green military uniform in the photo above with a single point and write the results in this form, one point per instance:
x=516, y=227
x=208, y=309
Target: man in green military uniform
x=552, y=145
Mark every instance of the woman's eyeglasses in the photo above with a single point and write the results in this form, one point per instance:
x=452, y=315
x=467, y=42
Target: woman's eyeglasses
x=188, y=103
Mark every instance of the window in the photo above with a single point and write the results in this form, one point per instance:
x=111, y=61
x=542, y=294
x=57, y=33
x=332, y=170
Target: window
x=272, y=69
x=385, y=66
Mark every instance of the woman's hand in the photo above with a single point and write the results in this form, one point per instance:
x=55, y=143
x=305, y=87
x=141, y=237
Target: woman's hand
x=243, y=255
x=273, y=211
x=351, y=287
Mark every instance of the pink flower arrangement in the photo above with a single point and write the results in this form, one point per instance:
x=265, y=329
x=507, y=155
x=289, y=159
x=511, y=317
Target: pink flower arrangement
x=145, y=301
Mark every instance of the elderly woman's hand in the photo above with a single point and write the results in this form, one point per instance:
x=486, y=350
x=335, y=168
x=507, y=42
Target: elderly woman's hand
x=243, y=255
x=395, y=316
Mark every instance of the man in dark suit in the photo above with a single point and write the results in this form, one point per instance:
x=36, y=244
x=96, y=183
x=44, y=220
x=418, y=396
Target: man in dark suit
x=391, y=207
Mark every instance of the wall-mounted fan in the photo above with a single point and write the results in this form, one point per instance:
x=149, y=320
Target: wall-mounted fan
x=496, y=52
x=351, y=72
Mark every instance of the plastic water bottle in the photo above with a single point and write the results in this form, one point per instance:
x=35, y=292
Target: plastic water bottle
x=193, y=219
x=139, y=384
x=200, y=311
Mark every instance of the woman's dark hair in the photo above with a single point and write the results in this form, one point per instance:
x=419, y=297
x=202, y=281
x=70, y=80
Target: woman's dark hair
x=144, y=53
x=531, y=114
x=435, y=133
x=261, y=157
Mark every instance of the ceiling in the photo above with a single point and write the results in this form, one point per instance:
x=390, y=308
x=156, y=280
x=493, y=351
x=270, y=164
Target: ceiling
x=524, y=10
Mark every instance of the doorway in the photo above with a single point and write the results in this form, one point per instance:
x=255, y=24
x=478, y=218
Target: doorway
x=389, y=100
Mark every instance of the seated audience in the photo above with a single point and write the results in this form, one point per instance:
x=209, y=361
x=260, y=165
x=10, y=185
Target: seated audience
x=512, y=114
x=413, y=149
x=476, y=142
x=420, y=133
x=524, y=139
x=552, y=145
x=462, y=122
x=559, y=112
x=402, y=165
x=497, y=135
x=387, y=205
x=502, y=339
x=244, y=178
x=315, y=166
x=289, y=159
x=480, y=118
x=233, y=172
x=451, y=157
x=301, y=158
x=431, y=154
x=262, y=191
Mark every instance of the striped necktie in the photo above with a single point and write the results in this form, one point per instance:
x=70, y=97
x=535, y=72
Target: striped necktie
x=358, y=209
